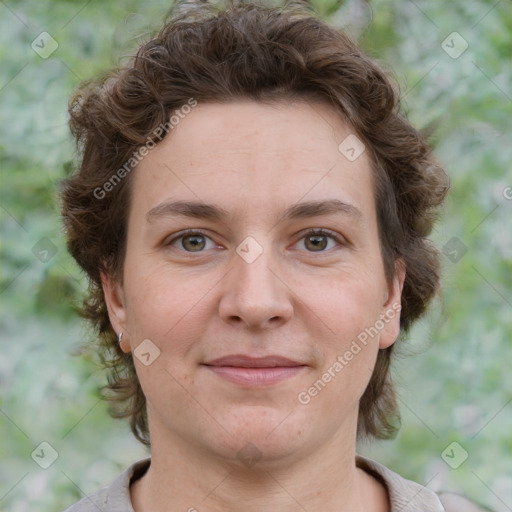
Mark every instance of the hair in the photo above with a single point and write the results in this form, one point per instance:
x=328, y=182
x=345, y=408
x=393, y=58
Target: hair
x=262, y=53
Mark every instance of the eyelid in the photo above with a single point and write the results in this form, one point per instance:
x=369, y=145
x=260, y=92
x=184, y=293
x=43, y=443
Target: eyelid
x=186, y=232
x=339, y=239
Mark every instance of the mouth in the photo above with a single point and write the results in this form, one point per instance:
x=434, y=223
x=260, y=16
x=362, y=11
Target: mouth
x=253, y=372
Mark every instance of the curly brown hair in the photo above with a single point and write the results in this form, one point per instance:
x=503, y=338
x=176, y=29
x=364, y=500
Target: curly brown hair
x=247, y=51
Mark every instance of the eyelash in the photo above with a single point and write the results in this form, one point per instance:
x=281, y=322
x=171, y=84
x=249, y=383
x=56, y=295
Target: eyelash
x=312, y=232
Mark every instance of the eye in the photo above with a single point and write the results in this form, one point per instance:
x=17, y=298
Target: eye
x=318, y=240
x=191, y=241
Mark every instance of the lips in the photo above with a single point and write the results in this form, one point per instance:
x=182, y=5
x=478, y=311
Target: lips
x=253, y=372
x=242, y=361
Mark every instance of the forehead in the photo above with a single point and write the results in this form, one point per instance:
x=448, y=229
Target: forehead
x=255, y=156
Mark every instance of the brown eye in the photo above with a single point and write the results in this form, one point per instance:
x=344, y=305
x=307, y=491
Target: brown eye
x=322, y=241
x=193, y=243
x=319, y=240
x=316, y=242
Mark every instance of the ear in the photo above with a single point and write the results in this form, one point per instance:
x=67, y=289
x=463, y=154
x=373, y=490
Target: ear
x=392, y=306
x=114, y=298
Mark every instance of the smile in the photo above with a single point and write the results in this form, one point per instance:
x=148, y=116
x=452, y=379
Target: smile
x=254, y=372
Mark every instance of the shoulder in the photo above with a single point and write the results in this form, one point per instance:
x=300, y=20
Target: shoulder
x=92, y=502
x=408, y=495
x=453, y=502
x=116, y=496
x=403, y=494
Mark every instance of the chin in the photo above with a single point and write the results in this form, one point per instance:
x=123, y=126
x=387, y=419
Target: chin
x=263, y=435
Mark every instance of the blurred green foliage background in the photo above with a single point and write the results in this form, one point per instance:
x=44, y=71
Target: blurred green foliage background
x=453, y=373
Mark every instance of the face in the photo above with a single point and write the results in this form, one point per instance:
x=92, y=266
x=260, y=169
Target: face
x=253, y=298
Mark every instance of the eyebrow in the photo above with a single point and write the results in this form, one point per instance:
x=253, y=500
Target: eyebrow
x=200, y=210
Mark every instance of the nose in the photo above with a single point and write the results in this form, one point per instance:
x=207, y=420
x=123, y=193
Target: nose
x=255, y=293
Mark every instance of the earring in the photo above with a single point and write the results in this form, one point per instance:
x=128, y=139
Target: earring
x=126, y=349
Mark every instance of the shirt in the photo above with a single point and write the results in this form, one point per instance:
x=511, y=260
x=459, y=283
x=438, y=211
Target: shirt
x=404, y=495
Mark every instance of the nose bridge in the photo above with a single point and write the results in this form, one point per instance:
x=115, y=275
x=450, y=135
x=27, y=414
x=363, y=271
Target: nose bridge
x=254, y=294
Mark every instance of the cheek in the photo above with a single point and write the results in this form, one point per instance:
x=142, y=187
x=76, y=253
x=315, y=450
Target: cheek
x=350, y=310
x=170, y=312
x=165, y=308
x=346, y=306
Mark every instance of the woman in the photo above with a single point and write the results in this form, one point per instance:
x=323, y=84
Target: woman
x=252, y=213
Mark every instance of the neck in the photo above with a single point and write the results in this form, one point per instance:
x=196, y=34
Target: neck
x=186, y=478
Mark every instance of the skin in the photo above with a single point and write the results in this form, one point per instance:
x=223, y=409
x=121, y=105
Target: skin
x=254, y=160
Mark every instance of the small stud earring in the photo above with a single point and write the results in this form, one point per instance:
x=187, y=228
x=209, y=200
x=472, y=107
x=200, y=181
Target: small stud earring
x=119, y=338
